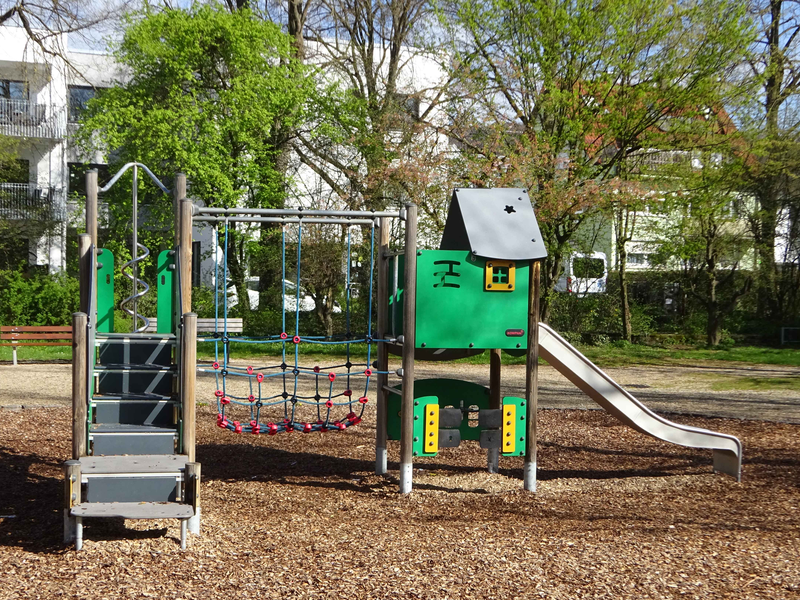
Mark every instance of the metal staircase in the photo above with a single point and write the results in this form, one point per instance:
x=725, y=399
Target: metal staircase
x=133, y=403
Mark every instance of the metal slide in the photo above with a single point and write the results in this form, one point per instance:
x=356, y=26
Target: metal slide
x=614, y=399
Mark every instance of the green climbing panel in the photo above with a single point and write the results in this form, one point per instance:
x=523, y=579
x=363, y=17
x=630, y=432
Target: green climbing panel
x=451, y=393
x=165, y=296
x=517, y=428
x=455, y=306
x=105, y=291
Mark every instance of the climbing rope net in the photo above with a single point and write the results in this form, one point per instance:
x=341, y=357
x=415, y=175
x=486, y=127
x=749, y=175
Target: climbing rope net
x=295, y=394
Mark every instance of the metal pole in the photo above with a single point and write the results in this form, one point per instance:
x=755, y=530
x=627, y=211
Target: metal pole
x=79, y=383
x=495, y=403
x=383, y=352
x=532, y=379
x=192, y=494
x=188, y=376
x=185, y=255
x=409, y=341
x=91, y=204
x=135, y=253
x=72, y=497
x=178, y=194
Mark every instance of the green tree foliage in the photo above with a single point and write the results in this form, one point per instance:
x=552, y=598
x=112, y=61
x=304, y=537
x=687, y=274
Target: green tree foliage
x=702, y=234
x=555, y=95
x=205, y=92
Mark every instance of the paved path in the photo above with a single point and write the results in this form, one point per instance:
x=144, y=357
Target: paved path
x=686, y=389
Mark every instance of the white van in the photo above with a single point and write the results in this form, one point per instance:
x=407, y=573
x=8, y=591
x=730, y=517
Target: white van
x=584, y=274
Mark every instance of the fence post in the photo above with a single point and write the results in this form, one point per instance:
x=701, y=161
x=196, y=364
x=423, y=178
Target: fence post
x=79, y=383
x=409, y=341
x=532, y=379
x=72, y=497
x=84, y=264
x=188, y=377
x=185, y=256
x=495, y=403
x=91, y=205
x=191, y=485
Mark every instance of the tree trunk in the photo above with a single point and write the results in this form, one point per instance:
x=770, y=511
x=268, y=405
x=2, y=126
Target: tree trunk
x=714, y=326
x=627, y=332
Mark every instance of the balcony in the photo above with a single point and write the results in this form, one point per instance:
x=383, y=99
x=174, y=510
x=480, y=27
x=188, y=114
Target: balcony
x=28, y=201
x=20, y=118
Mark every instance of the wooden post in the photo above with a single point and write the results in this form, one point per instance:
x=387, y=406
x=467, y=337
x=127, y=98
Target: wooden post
x=191, y=483
x=79, y=383
x=409, y=341
x=188, y=375
x=383, y=352
x=495, y=403
x=91, y=205
x=72, y=497
x=178, y=194
x=84, y=264
x=532, y=379
x=185, y=256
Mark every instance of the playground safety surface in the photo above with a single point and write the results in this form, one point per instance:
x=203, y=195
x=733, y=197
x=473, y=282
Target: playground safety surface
x=617, y=515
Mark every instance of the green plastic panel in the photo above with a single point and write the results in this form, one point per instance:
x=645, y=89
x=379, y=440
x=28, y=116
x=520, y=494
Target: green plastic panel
x=454, y=310
x=451, y=393
x=520, y=428
x=418, y=443
x=105, y=291
x=165, y=296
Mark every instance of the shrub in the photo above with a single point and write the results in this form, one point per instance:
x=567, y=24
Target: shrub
x=37, y=299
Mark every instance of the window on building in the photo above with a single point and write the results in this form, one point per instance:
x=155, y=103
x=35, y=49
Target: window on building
x=79, y=96
x=77, y=178
x=13, y=90
x=637, y=258
x=407, y=109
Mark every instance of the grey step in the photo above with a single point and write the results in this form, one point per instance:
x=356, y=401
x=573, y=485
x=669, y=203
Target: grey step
x=134, y=337
x=146, y=463
x=129, y=381
x=136, y=412
x=133, y=510
x=135, y=352
x=150, y=397
x=120, y=438
x=142, y=487
x=133, y=368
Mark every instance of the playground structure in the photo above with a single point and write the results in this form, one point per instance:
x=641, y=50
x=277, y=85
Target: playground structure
x=479, y=291
x=133, y=400
x=133, y=393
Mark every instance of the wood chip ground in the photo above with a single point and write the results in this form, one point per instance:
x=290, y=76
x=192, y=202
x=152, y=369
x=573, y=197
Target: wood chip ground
x=617, y=515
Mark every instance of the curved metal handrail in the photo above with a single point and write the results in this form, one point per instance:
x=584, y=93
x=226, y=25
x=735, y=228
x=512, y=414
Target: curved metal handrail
x=130, y=269
x=116, y=177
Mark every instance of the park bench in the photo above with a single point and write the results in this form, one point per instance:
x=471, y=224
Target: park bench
x=206, y=325
x=34, y=335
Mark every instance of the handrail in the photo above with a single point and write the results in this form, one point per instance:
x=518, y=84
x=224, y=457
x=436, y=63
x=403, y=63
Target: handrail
x=131, y=269
x=116, y=177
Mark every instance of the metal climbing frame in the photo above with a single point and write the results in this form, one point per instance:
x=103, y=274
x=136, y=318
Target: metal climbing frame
x=375, y=220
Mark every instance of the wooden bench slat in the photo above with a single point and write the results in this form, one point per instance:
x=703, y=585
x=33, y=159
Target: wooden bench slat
x=35, y=336
x=23, y=344
x=36, y=328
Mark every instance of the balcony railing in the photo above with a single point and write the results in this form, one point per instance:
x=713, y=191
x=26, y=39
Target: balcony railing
x=29, y=201
x=20, y=118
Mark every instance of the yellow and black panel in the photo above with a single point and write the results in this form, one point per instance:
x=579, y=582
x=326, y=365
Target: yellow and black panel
x=500, y=276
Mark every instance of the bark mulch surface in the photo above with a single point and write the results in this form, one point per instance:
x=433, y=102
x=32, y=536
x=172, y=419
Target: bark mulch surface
x=617, y=515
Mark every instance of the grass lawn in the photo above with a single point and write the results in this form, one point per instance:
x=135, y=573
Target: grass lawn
x=609, y=355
